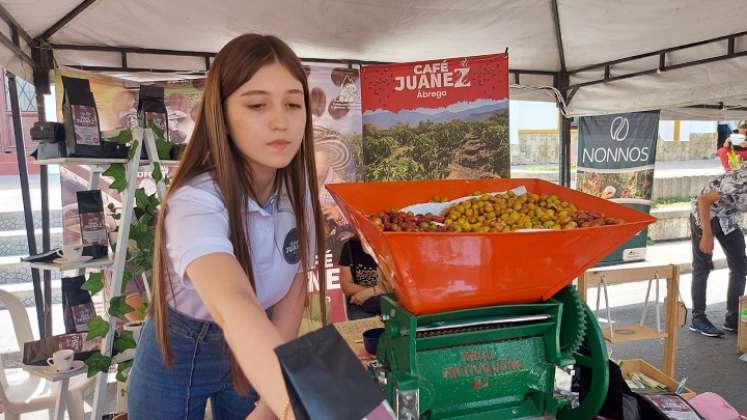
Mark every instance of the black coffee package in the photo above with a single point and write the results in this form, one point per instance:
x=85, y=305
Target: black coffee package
x=111, y=148
x=178, y=151
x=81, y=119
x=77, y=305
x=152, y=108
x=319, y=367
x=92, y=221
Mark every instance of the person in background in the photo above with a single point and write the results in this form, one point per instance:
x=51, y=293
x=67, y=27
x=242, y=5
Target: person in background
x=359, y=278
x=715, y=214
x=727, y=146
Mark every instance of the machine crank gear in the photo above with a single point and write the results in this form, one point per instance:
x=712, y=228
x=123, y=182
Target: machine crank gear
x=574, y=323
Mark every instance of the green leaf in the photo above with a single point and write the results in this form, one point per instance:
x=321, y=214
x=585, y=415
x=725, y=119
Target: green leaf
x=143, y=235
x=164, y=149
x=141, y=198
x=154, y=201
x=157, y=174
x=124, y=137
x=94, y=284
x=143, y=309
x=146, y=219
x=111, y=207
x=98, y=363
x=124, y=341
x=97, y=327
x=133, y=148
x=117, y=171
x=162, y=145
x=125, y=279
x=121, y=370
x=157, y=131
x=118, y=307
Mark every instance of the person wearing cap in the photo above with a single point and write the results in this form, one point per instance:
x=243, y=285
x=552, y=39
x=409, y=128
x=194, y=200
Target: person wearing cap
x=735, y=144
x=716, y=214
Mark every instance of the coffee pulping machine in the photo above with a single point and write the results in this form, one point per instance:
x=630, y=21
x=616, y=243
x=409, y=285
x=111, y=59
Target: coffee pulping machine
x=479, y=322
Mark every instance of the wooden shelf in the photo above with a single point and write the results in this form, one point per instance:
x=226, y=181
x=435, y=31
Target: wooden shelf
x=49, y=374
x=631, y=333
x=125, y=356
x=103, y=262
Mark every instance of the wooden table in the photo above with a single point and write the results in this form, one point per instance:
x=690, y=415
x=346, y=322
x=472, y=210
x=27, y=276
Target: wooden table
x=47, y=373
x=638, y=273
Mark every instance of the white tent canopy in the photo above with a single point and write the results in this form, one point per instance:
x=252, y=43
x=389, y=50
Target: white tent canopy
x=585, y=33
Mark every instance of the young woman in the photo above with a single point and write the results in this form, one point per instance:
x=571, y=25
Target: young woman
x=359, y=279
x=235, y=237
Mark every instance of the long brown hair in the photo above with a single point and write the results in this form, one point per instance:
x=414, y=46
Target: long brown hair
x=210, y=150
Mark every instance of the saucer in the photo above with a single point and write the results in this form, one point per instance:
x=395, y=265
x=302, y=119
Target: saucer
x=77, y=365
x=63, y=260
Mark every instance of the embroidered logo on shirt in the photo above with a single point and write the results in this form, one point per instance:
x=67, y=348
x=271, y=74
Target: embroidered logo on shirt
x=290, y=247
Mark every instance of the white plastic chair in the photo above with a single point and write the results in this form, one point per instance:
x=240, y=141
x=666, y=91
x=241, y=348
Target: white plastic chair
x=22, y=392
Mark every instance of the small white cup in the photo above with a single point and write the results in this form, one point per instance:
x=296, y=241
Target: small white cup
x=61, y=360
x=71, y=252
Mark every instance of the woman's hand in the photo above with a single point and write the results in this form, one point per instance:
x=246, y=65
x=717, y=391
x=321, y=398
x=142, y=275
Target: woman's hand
x=706, y=244
x=333, y=214
x=379, y=289
x=261, y=412
x=727, y=143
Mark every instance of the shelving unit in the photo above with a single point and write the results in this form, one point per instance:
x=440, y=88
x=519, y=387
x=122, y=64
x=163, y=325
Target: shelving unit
x=115, y=263
x=638, y=332
x=98, y=263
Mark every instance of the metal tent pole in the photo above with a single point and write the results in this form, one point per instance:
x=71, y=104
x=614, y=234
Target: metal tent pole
x=44, y=181
x=25, y=193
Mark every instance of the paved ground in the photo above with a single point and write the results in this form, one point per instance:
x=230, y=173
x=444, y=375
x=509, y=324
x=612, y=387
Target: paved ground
x=665, y=169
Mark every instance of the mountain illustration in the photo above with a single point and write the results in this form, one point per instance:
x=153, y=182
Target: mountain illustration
x=386, y=119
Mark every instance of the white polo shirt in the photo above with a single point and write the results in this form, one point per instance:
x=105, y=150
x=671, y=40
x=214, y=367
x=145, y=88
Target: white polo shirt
x=197, y=224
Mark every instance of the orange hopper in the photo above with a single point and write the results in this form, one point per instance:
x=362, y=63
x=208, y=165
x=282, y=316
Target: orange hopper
x=434, y=272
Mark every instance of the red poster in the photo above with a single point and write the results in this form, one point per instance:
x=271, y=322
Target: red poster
x=436, y=119
x=434, y=84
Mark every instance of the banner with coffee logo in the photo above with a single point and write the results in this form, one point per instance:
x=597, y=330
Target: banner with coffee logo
x=616, y=156
x=436, y=119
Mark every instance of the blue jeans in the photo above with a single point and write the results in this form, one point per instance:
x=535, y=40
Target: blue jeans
x=200, y=370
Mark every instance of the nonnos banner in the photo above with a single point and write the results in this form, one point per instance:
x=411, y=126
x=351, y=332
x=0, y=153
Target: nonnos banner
x=616, y=156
